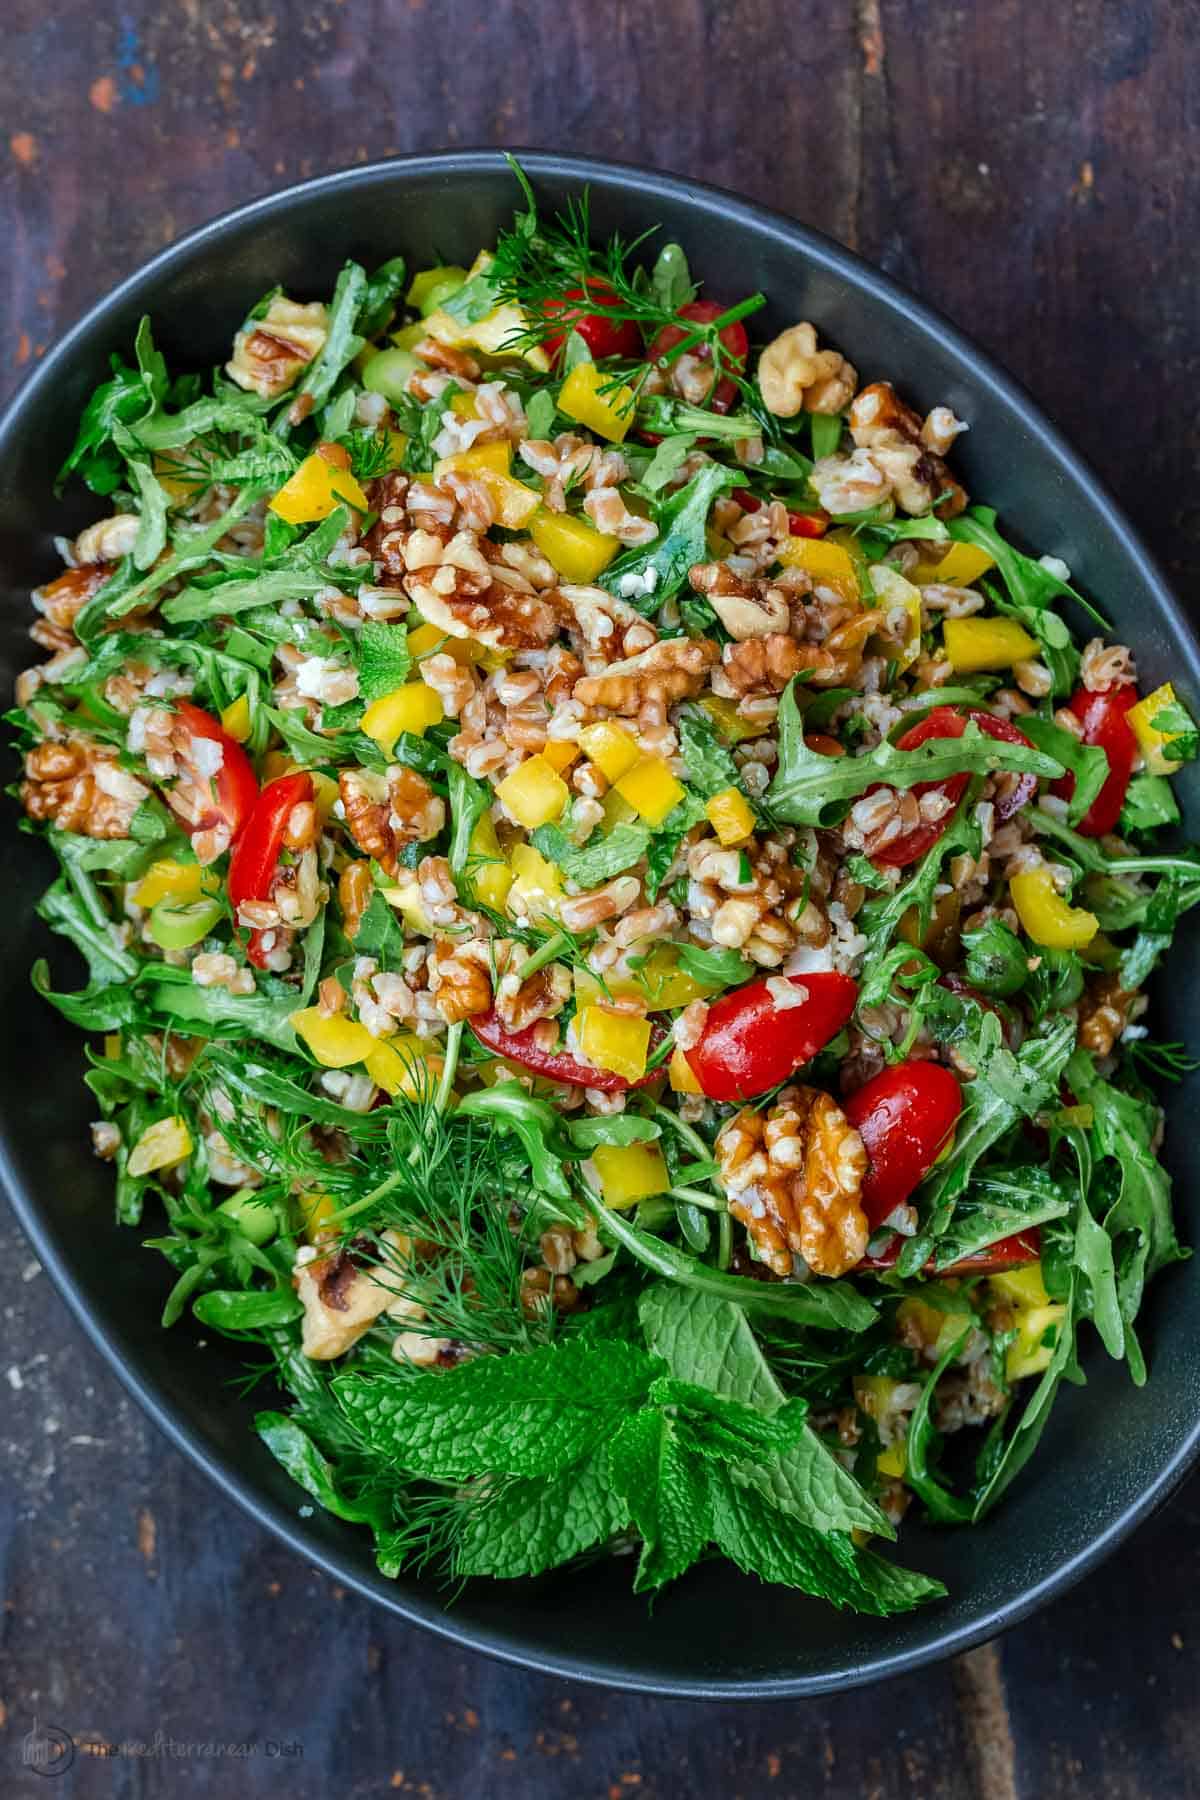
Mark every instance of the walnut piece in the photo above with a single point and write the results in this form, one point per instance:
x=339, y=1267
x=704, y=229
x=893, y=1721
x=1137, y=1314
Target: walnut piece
x=654, y=678
x=795, y=376
x=270, y=353
x=747, y=608
x=1104, y=1013
x=382, y=814
x=60, y=603
x=79, y=788
x=459, y=980
x=765, y=665
x=794, y=1178
x=341, y=1300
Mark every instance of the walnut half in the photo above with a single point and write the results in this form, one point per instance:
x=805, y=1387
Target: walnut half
x=795, y=376
x=794, y=1178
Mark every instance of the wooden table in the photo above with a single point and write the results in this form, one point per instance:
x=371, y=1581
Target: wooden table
x=1031, y=169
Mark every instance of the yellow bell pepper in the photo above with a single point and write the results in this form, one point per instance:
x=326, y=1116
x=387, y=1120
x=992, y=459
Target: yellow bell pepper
x=977, y=643
x=174, y=475
x=1037, y=1333
x=236, y=719
x=397, y=444
x=314, y=490
x=660, y=982
x=401, y=1065
x=463, y=406
x=408, y=336
x=873, y=1396
x=619, y=1042
x=181, y=882
x=933, y=1329
x=651, y=789
x=617, y=810
x=728, y=722
x=560, y=753
x=336, y=1042
x=413, y=707
x=489, y=874
x=1049, y=919
x=493, y=334
x=317, y=1212
x=514, y=503
x=630, y=1172
x=682, y=1078
x=730, y=815
x=571, y=546
x=608, y=414
x=613, y=749
x=431, y=640
x=1150, y=739
x=480, y=459
x=434, y=285
x=325, y=794
x=830, y=565
x=893, y=590
x=893, y=1462
x=160, y=1146
x=112, y=1046
x=960, y=566
x=537, y=885
x=405, y=896
x=534, y=794
x=1020, y=1287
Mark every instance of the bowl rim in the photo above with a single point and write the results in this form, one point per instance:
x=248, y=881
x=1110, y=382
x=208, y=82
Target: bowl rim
x=512, y=1644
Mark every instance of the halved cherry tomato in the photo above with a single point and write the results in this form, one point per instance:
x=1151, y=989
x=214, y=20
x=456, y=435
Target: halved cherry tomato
x=809, y=525
x=905, y=1116
x=733, y=338
x=1104, y=723
x=944, y=722
x=232, y=791
x=256, y=854
x=751, y=1043
x=1006, y=1253
x=583, y=309
x=555, y=1065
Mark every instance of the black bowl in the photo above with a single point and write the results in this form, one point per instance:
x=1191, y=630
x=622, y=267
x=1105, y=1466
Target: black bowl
x=1110, y=1455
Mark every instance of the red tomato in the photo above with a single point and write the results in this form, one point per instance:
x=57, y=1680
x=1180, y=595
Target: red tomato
x=944, y=722
x=555, y=1065
x=1006, y=1253
x=1104, y=723
x=603, y=335
x=751, y=1044
x=904, y=1115
x=256, y=854
x=232, y=791
x=733, y=337
x=810, y=525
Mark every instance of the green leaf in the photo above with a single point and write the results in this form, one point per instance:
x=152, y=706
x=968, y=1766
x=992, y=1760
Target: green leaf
x=152, y=525
x=1149, y=803
x=535, y=1123
x=664, y=1493
x=1023, y=1441
x=880, y=918
x=382, y=659
x=523, y=1527
x=667, y=460
x=811, y=789
x=997, y=1204
x=1123, y=1130
x=1177, y=721
x=100, y=1006
x=615, y=1128
x=922, y=1443
x=240, y=1311
x=1087, y=762
x=597, y=861
x=715, y=968
x=380, y=934
x=193, y=546
x=292, y=1447
x=533, y=1412
x=709, y=763
x=682, y=519
x=213, y=1012
x=108, y=963
x=540, y=413
x=996, y=962
x=671, y=284
x=826, y=431
x=117, y=401
x=342, y=343
x=379, y=297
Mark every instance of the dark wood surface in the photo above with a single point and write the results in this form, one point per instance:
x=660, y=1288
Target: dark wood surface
x=1029, y=168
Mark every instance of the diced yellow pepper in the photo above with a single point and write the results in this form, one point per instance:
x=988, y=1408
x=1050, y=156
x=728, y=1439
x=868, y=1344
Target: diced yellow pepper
x=1020, y=1287
x=534, y=794
x=728, y=722
x=873, y=1396
x=317, y=1212
x=730, y=815
x=893, y=590
x=397, y=444
x=413, y=707
x=630, y=1172
x=489, y=874
x=619, y=1042
x=1049, y=919
x=571, y=546
x=314, y=490
x=617, y=810
x=236, y=719
x=1150, y=739
x=325, y=794
x=112, y=1046
x=1037, y=1333
x=961, y=566
x=400, y=1065
x=274, y=764
x=609, y=414
x=405, y=896
x=494, y=334
x=613, y=749
x=683, y=1080
x=430, y=640
x=651, y=789
x=336, y=1042
x=481, y=459
x=182, y=882
x=463, y=406
x=160, y=1146
x=830, y=565
x=976, y=643
x=514, y=503
x=408, y=336
x=660, y=982
x=893, y=1461
x=560, y=753
x=537, y=885
x=933, y=1329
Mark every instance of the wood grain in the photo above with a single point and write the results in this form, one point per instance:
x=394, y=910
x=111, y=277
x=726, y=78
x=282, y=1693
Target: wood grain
x=1033, y=171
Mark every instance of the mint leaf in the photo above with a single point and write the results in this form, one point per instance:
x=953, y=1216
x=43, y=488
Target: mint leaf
x=665, y=1495
x=727, y=1431
x=709, y=762
x=382, y=658
x=598, y=861
x=525, y=1526
x=532, y=1413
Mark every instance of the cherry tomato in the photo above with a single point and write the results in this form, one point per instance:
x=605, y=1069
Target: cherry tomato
x=733, y=338
x=555, y=1065
x=750, y=1043
x=1104, y=723
x=256, y=854
x=905, y=1116
x=603, y=335
x=1006, y=1253
x=232, y=791
x=944, y=722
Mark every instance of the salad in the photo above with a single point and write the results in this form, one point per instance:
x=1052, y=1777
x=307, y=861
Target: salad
x=616, y=907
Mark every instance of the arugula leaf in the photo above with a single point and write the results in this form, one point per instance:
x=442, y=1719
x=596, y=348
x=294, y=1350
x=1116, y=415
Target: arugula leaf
x=294, y=1449
x=1184, y=739
x=1029, y=582
x=664, y=1492
x=880, y=917
x=535, y=1123
x=709, y=762
x=342, y=344
x=811, y=789
x=62, y=909
x=1149, y=803
x=1123, y=1129
x=540, y=413
x=826, y=430
x=998, y=1203
x=671, y=284
x=715, y=968
x=214, y=1012
x=667, y=460
x=379, y=297
x=681, y=542
x=523, y=1527
x=193, y=546
x=382, y=659
x=597, y=861
x=1024, y=1440
x=117, y=401
x=995, y=960
x=100, y=1006
x=1088, y=763
x=152, y=526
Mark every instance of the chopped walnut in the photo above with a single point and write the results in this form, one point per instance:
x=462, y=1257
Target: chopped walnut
x=382, y=814
x=342, y=1298
x=746, y=607
x=465, y=593
x=354, y=891
x=795, y=376
x=794, y=1178
x=269, y=353
x=652, y=680
x=604, y=629
x=890, y=431
x=1104, y=1013
x=767, y=664
x=459, y=980
x=609, y=513
x=60, y=603
x=80, y=788
x=543, y=996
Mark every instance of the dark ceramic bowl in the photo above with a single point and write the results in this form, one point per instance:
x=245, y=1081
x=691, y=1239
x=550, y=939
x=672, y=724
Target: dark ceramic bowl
x=1110, y=1455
